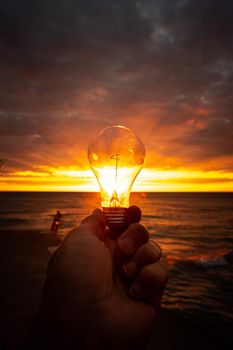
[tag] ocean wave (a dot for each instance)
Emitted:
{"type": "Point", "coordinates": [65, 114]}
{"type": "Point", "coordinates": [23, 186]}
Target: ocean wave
{"type": "Point", "coordinates": [211, 262]}
{"type": "Point", "coordinates": [204, 261]}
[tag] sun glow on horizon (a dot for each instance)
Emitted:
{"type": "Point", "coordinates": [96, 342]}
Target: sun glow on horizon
{"type": "Point", "coordinates": [71, 179]}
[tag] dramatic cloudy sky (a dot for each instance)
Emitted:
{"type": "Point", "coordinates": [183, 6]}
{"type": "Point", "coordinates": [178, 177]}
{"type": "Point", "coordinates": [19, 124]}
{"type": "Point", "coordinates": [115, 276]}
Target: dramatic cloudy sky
{"type": "Point", "coordinates": [161, 67]}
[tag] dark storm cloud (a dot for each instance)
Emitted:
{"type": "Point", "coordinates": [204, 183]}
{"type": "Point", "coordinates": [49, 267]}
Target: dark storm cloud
{"type": "Point", "coordinates": [68, 68]}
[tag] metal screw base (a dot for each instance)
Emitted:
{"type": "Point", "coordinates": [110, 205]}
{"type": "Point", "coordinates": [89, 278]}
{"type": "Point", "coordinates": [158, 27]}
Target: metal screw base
{"type": "Point", "coordinates": [115, 217]}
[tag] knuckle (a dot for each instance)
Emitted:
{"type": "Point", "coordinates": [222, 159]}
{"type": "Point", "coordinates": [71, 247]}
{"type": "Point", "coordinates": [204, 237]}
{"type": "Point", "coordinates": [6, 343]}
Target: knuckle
{"type": "Point", "coordinates": [156, 246]}
{"type": "Point", "coordinates": [156, 249]}
{"type": "Point", "coordinates": [164, 271]}
{"type": "Point", "coordinates": [157, 272]}
{"type": "Point", "coordinates": [147, 254]}
{"type": "Point", "coordinates": [140, 232]}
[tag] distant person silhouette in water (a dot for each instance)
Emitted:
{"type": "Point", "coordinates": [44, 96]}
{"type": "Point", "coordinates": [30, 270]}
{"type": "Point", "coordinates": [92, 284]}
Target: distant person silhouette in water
{"type": "Point", "coordinates": [56, 223]}
{"type": "Point", "coordinates": [100, 293]}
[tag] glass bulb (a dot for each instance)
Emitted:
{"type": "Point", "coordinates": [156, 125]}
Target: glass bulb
{"type": "Point", "coordinates": [116, 156]}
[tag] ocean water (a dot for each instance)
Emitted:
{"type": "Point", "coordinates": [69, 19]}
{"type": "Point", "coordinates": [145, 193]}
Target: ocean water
{"type": "Point", "coordinates": [195, 231]}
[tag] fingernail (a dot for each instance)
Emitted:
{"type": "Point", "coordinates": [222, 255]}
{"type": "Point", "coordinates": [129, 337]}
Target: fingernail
{"type": "Point", "coordinates": [96, 211]}
{"type": "Point", "coordinates": [136, 290]}
{"type": "Point", "coordinates": [130, 269]}
{"type": "Point", "coordinates": [126, 245]}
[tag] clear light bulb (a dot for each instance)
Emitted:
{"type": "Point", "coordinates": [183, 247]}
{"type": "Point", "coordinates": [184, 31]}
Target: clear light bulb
{"type": "Point", "coordinates": [116, 156]}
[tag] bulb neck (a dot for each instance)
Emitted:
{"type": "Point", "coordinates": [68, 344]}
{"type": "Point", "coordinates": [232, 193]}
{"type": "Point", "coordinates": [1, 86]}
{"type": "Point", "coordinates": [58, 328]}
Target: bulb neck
{"type": "Point", "coordinates": [116, 218]}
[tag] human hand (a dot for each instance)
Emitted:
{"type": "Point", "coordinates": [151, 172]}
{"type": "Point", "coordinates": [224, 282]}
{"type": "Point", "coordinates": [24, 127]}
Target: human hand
{"type": "Point", "coordinates": [101, 293]}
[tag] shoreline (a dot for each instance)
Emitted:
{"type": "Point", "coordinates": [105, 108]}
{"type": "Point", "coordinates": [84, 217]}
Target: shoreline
{"type": "Point", "coordinates": [24, 256]}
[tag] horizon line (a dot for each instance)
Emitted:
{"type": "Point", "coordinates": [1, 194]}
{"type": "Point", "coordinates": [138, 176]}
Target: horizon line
{"type": "Point", "coordinates": [44, 191]}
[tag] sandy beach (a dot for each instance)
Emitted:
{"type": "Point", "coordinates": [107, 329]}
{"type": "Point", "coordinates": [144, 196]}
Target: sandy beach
{"type": "Point", "coordinates": [24, 256]}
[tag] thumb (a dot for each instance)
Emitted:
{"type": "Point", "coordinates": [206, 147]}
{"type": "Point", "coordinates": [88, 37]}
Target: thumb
{"type": "Point", "coordinates": [95, 223]}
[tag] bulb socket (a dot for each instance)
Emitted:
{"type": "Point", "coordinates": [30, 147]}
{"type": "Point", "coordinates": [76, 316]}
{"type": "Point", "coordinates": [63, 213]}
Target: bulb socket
{"type": "Point", "coordinates": [115, 217]}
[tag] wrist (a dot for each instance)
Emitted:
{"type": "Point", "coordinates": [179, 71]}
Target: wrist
{"type": "Point", "coordinates": [61, 334]}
